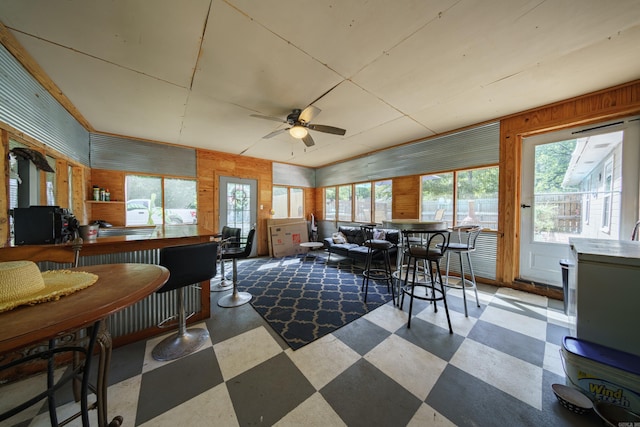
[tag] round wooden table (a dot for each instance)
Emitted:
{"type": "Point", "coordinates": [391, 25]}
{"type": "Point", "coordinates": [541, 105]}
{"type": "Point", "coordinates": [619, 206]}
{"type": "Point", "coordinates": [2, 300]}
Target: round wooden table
{"type": "Point", "coordinates": [118, 286]}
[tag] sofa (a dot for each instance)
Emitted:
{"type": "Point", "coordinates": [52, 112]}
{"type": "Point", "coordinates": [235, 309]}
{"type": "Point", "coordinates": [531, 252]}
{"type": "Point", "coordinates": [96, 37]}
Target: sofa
{"type": "Point", "coordinates": [353, 245]}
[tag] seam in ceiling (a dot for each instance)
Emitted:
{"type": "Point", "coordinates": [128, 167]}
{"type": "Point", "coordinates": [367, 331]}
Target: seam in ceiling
{"type": "Point", "coordinates": [94, 57]}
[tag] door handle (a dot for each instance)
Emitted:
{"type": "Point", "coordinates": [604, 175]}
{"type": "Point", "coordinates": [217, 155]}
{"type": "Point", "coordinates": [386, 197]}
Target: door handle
{"type": "Point", "coordinates": [525, 206]}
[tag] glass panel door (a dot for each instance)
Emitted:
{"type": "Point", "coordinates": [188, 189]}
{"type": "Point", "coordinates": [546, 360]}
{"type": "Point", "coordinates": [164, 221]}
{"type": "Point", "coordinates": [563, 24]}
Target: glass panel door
{"type": "Point", "coordinates": [572, 186]}
{"type": "Point", "coordinates": [238, 203]}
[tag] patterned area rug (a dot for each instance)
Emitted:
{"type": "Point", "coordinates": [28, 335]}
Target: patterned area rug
{"type": "Point", "coordinates": [305, 299]}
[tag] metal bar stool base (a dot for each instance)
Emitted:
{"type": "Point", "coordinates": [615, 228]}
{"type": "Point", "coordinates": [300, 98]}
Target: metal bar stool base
{"type": "Point", "coordinates": [235, 299]}
{"type": "Point", "coordinates": [177, 346]}
{"type": "Point", "coordinates": [222, 285]}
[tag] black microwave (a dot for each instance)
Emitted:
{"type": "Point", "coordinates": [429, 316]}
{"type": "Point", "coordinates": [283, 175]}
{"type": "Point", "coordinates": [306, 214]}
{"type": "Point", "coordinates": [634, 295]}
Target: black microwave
{"type": "Point", "coordinates": [37, 225]}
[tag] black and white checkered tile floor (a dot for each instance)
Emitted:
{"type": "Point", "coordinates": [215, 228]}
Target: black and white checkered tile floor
{"type": "Point", "coordinates": [495, 370]}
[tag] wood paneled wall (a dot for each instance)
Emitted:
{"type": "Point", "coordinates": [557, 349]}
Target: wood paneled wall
{"type": "Point", "coordinates": [619, 101]}
{"type": "Point", "coordinates": [211, 166]}
{"type": "Point", "coordinates": [406, 197]}
{"type": "Point", "coordinates": [80, 175]}
{"type": "Point", "coordinates": [4, 178]}
{"type": "Point", "coordinates": [310, 201]}
{"type": "Point", "coordinates": [114, 212]}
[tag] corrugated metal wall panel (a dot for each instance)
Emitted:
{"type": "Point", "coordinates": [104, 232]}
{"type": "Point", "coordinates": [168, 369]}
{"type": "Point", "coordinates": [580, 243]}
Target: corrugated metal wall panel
{"type": "Point", "coordinates": [118, 153]}
{"type": "Point", "coordinates": [473, 147]}
{"type": "Point", "coordinates": [27, 106]}
{"type": "Point", "coordinates": [483, 259]}
{"type": "Point", "coordinates": [291, 175]}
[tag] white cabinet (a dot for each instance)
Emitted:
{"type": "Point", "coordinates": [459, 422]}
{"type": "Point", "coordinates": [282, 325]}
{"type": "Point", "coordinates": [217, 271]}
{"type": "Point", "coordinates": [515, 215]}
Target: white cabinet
{"type": "Point", "coordinates": [604, 293]}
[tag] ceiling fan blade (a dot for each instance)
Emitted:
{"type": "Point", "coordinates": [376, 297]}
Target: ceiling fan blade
{"type": "Point", "coordinates": [309, 113]}
{"type": "Point", "coordinates": [274, 133]}
{"type": "Point", "coordinates": [328, 129]}
{"type": "Point", "coordinates": [308, 141]}
{"type": "Point", "coordinates": [275, 119]}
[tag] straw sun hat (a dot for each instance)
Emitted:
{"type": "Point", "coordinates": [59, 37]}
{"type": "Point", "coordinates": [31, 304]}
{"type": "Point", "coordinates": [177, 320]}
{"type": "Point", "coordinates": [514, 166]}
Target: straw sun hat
{"type": "Point", "coordinates": [22, 283]}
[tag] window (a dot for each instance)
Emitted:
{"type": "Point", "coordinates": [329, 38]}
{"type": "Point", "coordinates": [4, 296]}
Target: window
{"type": "Point", "coordinates": [50, 180]}
{"type": "Point", "coordinates": [437, 193]}
{"type": "Point", "coordinates": [296, 203]}
{"type": "Point", "coordinates": [344, 203]}
{"type": "Point", "coordinates": [153, 200]}
{"type": "Point", "coordinates": [280, 202]}
{"type": "Point", "coordinates": [180, 201]}
{"type": "Point", "coordinates": [382, 191]}
{"type": "Point", "coordinates": [330, 204]}
{"type": "Point", "coordinates": [70, 186]}
{"type": "Point", "coordinates": [287, 202]}
{"type": "Point", "coordinates": [475, 199]}
{"type": "Point", "coordinates": [586, 198]}
{"type": "Point", "coordinates": [363, 202]}
{"type": "Point", "coordinates": [608, 195]}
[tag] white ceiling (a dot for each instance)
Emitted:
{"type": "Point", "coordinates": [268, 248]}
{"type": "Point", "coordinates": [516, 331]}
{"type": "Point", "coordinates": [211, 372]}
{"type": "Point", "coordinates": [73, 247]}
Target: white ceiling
{"type": "Point", "coordinates": [191, 72]}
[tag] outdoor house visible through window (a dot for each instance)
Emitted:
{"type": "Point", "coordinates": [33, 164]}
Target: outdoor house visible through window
{"type": "Point", "coordinates": [607, 196]}
{"type": "Point", "coordinates": [153, 200]}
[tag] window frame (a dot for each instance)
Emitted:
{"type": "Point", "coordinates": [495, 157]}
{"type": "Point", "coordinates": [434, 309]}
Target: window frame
{"type": "Point", "coordinates": [162, 207]}
{"type": "Point", "coordinates": [452, 217]}
{"type": "Point", "coordinates": [290, 201]}
{"type": "Point", "coordinates": [353, 202]}
{"type": "Point", "coordinates": [607, 199]}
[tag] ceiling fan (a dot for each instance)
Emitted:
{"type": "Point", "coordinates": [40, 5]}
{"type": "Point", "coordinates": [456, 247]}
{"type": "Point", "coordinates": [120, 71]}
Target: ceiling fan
{"type": "Point", "coordinates": [298, 121]}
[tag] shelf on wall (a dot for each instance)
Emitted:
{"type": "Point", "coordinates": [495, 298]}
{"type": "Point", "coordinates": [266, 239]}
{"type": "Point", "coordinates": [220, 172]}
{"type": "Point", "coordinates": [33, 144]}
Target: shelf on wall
{"type": "Point", "coordinates": [100, 201]}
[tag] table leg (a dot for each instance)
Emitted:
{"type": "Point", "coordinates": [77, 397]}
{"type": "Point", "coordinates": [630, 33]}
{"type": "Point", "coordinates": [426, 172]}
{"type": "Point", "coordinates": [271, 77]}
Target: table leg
{"type": "Point", "coordinates": [98, 333]}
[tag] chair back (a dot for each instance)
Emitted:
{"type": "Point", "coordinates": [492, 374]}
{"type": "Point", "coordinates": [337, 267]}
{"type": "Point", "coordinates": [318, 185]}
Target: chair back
{"type": "Point", "coordinates": [249, 245]}
{"type": "Point", "coordinates": [230, 237]}
{"type": "Point", "coordinates": [426, 244]}
{"type": "Point", "coordinates": [188, 264]}
{"type": "Point", "coordinates": [367, 231]}
{"type": "Point", "coordinates": [243, 252]}
{"type": "Point", "coordinates": [471, 233]}
{"type": "Point", "coordinates": [439, 215]}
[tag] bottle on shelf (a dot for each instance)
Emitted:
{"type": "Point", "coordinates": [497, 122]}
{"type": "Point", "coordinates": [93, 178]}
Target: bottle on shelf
{"type": "Point", "coordinates": [96, 193]}
{"type": "Point", "coordinates": [102, 193]}
{"type": "Point", "coordinates": [107, 196]}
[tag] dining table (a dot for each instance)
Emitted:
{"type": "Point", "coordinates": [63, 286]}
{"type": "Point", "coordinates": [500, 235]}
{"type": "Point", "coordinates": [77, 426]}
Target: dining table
{"type": "Point", "coordinates": [81, 314]}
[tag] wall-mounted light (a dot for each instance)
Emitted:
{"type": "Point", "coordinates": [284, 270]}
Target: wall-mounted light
{"type": "Point", "coordinates": [298, 132]}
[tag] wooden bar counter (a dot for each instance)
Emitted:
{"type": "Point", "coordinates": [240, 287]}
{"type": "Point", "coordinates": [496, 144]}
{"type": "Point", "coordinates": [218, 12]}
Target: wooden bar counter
{"type": "Point", "coordinates": [128, 245]}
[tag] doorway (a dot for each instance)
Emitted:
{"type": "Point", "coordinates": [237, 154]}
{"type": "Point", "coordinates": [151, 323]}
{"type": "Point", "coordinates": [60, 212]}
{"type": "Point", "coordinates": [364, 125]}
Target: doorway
{"type": "Point", "coordinates": [580, 182]}
{"type": "Point", "coordinates": [238, 204]}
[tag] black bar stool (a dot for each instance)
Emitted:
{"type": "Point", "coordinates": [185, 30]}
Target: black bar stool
{"type": "Point", "coordinates": [187, 265]}
{"type": "Point", "coordinates": [228, 238]}
{"type": "Point", "coordinates": [430, 248]}
{"type": "Point", "coordinates": [236, 298]}
{"type": "Point", "coordinates": [378, 249]}
{"type": "Point", "coordinates": [467, 236]}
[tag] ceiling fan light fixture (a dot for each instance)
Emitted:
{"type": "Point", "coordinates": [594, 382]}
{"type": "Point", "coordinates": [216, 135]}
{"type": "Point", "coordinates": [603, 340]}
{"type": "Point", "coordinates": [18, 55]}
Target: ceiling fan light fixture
{"type": "Point", "coordinates": [298, 132]}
